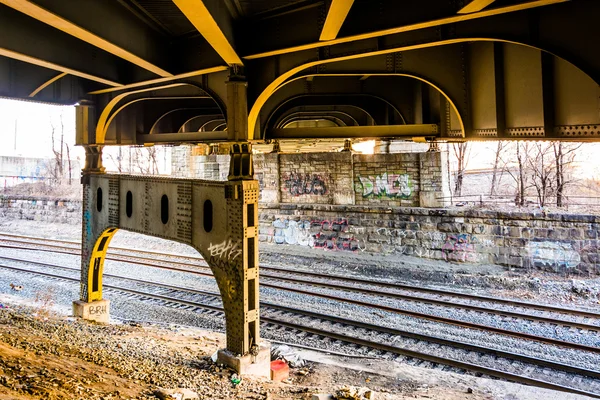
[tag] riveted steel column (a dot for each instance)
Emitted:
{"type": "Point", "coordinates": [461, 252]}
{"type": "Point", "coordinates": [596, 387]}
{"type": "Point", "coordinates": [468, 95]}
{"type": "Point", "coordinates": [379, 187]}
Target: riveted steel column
{"type": "Point", "coordinates": [241, 195]}
{"type": "Point", "coordinates": [94, 238]}
{"type": "Point", "coordinates": [237, 104]}
{"type": "Point", "coordinates": [93, 166]}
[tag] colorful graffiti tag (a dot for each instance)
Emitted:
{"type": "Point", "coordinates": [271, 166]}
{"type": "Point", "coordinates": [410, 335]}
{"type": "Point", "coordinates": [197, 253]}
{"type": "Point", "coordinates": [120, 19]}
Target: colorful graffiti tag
{"type": "Point", "coordinates": [460, 247]}
{"type": "Point", "coordinates": [298, 184]}
{"type": "Point", "coordinates": [317, 233]}
{"type": "Point", "coordinates": [390, 185]}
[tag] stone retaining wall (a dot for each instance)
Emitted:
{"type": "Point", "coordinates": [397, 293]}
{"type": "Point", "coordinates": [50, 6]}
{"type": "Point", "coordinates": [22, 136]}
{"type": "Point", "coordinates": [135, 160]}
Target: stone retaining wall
{"type": "Point", "coordinates": [394, 179]}
{"type": "Point", "coordinates": [556, 242]}
{"type": "Point", "coordinates": [41, 209]}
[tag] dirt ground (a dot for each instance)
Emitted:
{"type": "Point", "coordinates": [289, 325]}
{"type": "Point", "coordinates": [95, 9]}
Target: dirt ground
{"type": "Point", "coordinates": [46, 354]}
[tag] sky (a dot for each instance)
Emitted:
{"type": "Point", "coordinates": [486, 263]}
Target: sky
{"type": "Point", "coordinates": [32, 122]}
{"type": "Point", "coordinates": [587, 165]}
{"type": "Point", "coordinates": [26, 128]}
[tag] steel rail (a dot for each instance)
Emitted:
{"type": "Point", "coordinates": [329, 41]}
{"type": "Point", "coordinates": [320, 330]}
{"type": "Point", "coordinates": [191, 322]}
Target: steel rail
{"type": "Point", "coordinates": [366, 343]}
{"type": "Point", "coordinates": [464, 324]}
{"type": "Point", "coordinates": [516, 303]}
{"type": "Point", "coordinates": [398, 296]}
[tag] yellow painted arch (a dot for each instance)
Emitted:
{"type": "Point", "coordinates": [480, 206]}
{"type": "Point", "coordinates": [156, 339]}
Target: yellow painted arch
{"type": "Point", "coordinates": [96, 265]}
{"type": "Point", "coordinates": [280, 80]}
{"type": "Point", "coordinates": [450, 101]}
{"type": "Point", "coordinates": [105, 117]}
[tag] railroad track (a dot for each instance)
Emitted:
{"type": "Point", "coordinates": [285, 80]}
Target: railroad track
{"type": "Point", "coordinates": [385, 296]}
{"type": "Point", "coordinates": [386, 334]}
{"type": "Point", "coordinates": [407, 345]}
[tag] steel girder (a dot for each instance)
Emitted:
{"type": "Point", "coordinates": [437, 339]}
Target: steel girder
{"type": "Point", "coordinates": [218, 219]}
{"type": "Point", "coordinates": [338, 117]}
{"type": "Point", "coordinates": [195, 123]}
{"type": "Point", "coordinates": [497, 90]}
{"type": "Point", "coordinates": [22, 37]}
{"type": "Point", "coordinates": [382, 112]}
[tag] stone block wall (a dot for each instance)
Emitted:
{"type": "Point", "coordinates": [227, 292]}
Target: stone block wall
{"type": "Point", "coordinates": [556, 242]}
{"type": "Point", "coordinates": [394, 179]}
{"type": "Point", "coordinates": [186, 164]}
{"type": "Point", "coordinates": [36, 209]}
{"type": "Point", "coordinates": [321, 178]}
{"type": "Point", "coordinates": [266, 171]}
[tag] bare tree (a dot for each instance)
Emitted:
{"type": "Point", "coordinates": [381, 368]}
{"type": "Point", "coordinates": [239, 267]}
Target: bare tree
{"type": "Point", "coordinates": [145, 160]}
{"type": "Point", "coordinates": [499, 147]}
{"type": "Point", "coordinates": [543, 172]}
{"type": "Point", "coordinates": [57, 168]}
{"type": "Point", "coordinates": [564, 156]}
{"type": "Point", "coordinates": [517, 152]}
{"type": "Point", "coordinates": [67, 148]}
{"type": "Point", "coordinates": [461, 152]}
{"type": "Point", "coordinates": [59, 149]}
{"type": "Point", "coordinates": [119, 160]}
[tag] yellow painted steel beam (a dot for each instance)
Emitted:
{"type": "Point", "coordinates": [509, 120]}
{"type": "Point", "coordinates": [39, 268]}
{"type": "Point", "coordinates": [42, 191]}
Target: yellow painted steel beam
{"type": "Point", "coordinates": [42, 63]}
{"type": "Point", "coordinates": [197, 13]}
{"type": "Point", "coordinates": [45, 16]}
{"type": "Point", "coordinates": [281, 79]}
{"type": "Point", "coordinates": [338, 10]}
{"type": "Point", "coordinates": [47, 83]}
{"type": "Point", "coordinates": [475, 6]}
{"type": "Point", "coordinates": [96, 267]}
{"type": "Point", "coordinates": [408, 28]}
{"type": "Point", "coordinates": [162, 80]}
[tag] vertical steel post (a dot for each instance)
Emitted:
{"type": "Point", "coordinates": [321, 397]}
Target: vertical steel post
{"type": "Point", "coordinates": [92, 166]}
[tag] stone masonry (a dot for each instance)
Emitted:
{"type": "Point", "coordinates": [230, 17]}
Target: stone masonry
{"type": "Point", "coordinates": [555, 242]}
{"type": "Point", "coordinates": [41, 209]}
{"type": "Point", "coordinates": [393, 179]}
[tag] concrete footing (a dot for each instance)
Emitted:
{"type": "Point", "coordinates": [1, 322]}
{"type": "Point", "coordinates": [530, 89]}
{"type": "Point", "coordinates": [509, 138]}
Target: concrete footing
{"type": "Point", "coordinates": [98, 311]}
{"type": "Point", "coordinates": [259, 365]}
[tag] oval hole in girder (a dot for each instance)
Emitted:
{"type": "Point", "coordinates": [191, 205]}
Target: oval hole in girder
{"type": "Point", "coordinates": [129, 204]}
{"type": "Point", "coordinates": [164, 209]}
{"type": "Point", "coordinates": [99, 199]}
{"type": "Point", "coordinates": [208, 216]}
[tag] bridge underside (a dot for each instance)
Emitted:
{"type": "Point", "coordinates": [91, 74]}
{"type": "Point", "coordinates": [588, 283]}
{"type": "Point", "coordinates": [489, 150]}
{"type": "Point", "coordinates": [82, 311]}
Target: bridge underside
{"type": "Point", "coordinates": [295, 75]}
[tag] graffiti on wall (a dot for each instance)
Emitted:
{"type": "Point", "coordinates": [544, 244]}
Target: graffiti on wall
{"type": "Point", "coordinates": [317, 233]}
{"type": "Point", "coordinates": [299, 184]}
{"type": "Point", "coordinates": [390, 185]}
{"type": "Point", "coordinates": [460, 247]}
{"type": "Point", "coordinates": [553, 254]}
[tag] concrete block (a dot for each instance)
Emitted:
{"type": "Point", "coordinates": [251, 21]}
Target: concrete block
{"type": "Point", "coordinates": [98, 311]}
{"type": "Point", "coordinates": [322, 396]}
{"type": "Point", "coordinates": [248, 364]}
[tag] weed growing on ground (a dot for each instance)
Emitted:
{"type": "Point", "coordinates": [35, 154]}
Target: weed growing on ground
{"type": "Point", "coordinates": [44, 301]}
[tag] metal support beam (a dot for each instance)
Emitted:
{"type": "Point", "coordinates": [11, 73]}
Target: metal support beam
{"type": "Point", "coordinates": [237, 105]}
{"type": "Point", "coordinates": [205, 22]}
{"type": "Point", "coordinates": [403, 29]}
{"type": "Point", "coordinates": [56, 21]}
{"type": "Point", "coordinates": [219, 219]}
{"type": "Point", "coordinates": [47, 83]}
{"type": "Point", "coordinates": [548, 93]}
{"type": "Point", "coordinates": [500, 93]}
{"type": "Point", "coordinates": [475, 6]}
{"type": "Point", "coordinates": [355, 131]}
{"type": "Point", "coordinates": [338, 10]}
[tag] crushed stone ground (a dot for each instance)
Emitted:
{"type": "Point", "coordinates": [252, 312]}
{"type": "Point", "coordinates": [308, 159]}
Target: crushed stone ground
{"type": "Point", "coordinates": [49, 355]}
